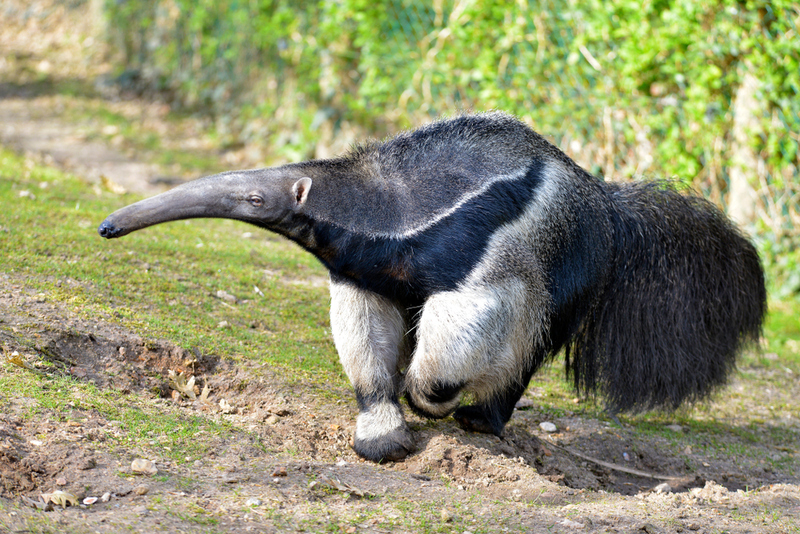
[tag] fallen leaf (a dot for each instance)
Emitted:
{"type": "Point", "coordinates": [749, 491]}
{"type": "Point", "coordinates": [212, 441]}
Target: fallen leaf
{"type": "Point", "coordinates": [111, 185]}
{"type": "Point", "coordinates": [39, 504]}
{"type": "Point", "coordinates": [60, 498]}
{"type": "Point", "coordinates": [204, 394]}
{"type": "Point", "coordinates": [14, 358]}
{"type": "Point", "coordinates": [181, 384]}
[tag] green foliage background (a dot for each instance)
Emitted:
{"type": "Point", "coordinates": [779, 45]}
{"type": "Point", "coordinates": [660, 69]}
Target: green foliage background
{"type": "Point", "coordinates": [626, 88]}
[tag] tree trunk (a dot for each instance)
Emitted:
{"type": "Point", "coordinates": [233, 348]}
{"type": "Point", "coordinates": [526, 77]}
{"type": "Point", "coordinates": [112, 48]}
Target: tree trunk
{"type": "Point", "coordinates": [744, 161]}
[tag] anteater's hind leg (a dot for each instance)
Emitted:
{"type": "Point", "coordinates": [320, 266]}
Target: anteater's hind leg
{"type": "Point", "coordinates": [481, 340]}
{"type": "Point", "coordinates": [369, 332]}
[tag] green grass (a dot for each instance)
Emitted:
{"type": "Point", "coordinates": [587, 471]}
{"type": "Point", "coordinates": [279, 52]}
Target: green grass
{"type": "Point", "coordinates": [781, 336]}
{"type": "Point", "coordinates": [162, 282]}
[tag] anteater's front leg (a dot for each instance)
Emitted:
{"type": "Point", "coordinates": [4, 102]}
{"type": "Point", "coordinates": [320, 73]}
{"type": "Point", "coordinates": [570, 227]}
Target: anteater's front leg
{"type": "Point", "coordinates": [482, 339]}
{"type": "Point", "coordinates": [369, 331]}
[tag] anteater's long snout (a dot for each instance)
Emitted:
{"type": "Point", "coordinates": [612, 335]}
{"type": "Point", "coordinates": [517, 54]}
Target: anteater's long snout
{"type": "Point", "coordinates": [205, 197]}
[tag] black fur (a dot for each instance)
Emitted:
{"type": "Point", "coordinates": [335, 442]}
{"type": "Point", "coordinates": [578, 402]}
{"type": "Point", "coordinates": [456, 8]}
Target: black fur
{"type": "Point", "coordinates": [685, 292]}
{"type": "Point", "coordinates": [441, 393]}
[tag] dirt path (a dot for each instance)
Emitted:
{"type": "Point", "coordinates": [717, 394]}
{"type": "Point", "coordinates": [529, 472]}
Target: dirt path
{"type": "Point", "coordinates": [26, 126]}
{"type": "Point", "coordinates": [42, 46]}
{"type": "Point", "coordinates": [286, 463]}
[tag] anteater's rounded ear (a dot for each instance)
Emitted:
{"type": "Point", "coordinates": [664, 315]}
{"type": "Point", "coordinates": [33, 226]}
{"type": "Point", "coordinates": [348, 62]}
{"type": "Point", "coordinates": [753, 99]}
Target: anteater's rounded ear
{"type": "Point", "coordinates": [300, 192]}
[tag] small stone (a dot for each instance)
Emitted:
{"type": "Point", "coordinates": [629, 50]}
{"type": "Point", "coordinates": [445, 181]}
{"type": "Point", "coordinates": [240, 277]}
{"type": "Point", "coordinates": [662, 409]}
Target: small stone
{"type": "Point", "coordinates": [571, 524]}
{"type": "Point", "coordinates": [272, 419]}
{"type": "Point", "coordinates": [36, 443]}
{"type": "Point", "coordinates": [87, 463]}
{"type": "Point", "coordinates": [547, 426]}
{"type": "Point", "coordinates": [279, 472]}
{"type": "Point", "coordinates": [524, 403]}
{"type": "Point", "coordinates": [61, 481]}
{"type": "Point", "coordinates": [143, 467]}
{"type": "Point", "coordinates": [105, 497]}
{"type": "Point", "coordinates": [224, 295]}
{"type": "Point", "coordinates": [253, 501]}
{"type": "Point", "coordinates": [230, 478]}
{"type": "Point", "coordinates": [446, 515]}
{"type": "Point", "coordinates": [141, 490]}
{"type": "Point", "coordinates": [223, 324]}
{"type": "Point", "coordinates": [675, 428]}
{"type": "Point", "coordinates": [663, 488]}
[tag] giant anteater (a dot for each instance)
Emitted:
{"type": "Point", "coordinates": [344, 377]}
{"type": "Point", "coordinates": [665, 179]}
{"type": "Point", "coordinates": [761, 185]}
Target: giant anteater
{"type": "Point", "coordinates": [465, 254]}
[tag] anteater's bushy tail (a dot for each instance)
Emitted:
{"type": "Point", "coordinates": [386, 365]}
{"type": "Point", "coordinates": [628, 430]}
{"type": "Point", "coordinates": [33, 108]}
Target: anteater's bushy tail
{"type": "Point", "coordinates": [684, 296]}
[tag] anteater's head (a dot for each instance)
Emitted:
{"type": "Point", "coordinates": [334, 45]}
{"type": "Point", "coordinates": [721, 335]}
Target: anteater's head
{"type": "Point", "coordinates": [264, 197]}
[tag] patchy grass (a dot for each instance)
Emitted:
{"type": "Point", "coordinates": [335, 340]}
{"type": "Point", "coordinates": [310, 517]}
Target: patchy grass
{"type": "Point", "coordinates": [152, 429]}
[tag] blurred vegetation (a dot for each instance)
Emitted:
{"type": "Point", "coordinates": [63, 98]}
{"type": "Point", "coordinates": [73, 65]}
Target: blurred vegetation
{"type": "Point", "coordinates": [626, 88]}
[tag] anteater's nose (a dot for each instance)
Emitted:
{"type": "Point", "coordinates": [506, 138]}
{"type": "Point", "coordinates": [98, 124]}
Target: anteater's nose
{"type": "Point", "coordinates": [108, 230]}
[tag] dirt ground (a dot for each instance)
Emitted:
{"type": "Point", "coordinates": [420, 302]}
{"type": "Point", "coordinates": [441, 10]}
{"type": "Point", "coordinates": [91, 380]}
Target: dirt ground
{"type": "Point", "coordinates": [289, 465]}
{"type": "Point", "coordinates": [291, 455]}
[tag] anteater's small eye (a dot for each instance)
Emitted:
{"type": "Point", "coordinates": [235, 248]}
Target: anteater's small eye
{"type": "Point", "coordinates": [256, 200]}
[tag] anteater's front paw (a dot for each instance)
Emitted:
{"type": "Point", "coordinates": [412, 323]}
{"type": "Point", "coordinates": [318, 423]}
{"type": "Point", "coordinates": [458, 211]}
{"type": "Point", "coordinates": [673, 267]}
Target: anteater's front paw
{"type": "Point", "coordinates": [382, 434]}
{"type": "Point", "coordinates": [391, 447]}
